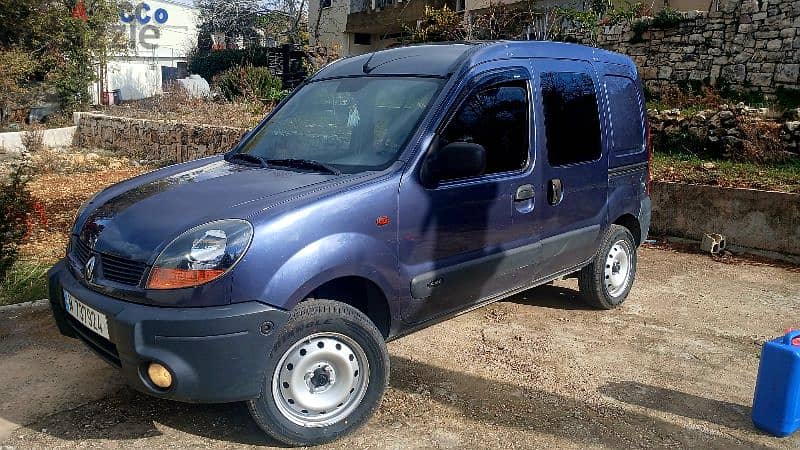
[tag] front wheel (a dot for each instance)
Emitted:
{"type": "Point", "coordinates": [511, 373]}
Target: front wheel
{"type": "Point", "coordinates": [326, 375]}
{"type": "Point", "coordinates": [607, 280]}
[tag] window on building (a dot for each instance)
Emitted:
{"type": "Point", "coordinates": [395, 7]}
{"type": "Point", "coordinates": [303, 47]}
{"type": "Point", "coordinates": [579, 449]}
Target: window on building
{"type": "Point", "coordinates": [460, 5]}
{"type": "Point", "coordinates": [625, 106]}
{"type": "Point", "coordinates": [362, 39]}
{"type": "Point", "coordinates": [497, 119]}
{"type": "Point", "coordinates": [325, 3]}
{"type": "Point", "coordinates": [572, 126]}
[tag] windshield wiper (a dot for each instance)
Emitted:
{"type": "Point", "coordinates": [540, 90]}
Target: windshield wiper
{"type": "Point", "coordinates": [304, 164]}
{"type": "Point", "coordinates": [248, 157]}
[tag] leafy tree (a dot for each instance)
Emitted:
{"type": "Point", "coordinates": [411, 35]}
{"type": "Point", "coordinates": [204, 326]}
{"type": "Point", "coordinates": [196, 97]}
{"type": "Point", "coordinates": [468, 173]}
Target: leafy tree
{"type": "Point", "coordinates": [54, 45]}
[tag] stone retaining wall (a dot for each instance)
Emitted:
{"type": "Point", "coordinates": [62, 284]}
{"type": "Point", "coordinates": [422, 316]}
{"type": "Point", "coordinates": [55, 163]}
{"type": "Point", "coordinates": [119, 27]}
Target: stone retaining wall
{"type": "Point", "coordinates": [731, 131]}
{"type": "Point", "coordinates": [761, 220]}
{"type": "Point", "coordinates": [154, 139]}
{"type": "Point", "coordinates": [747, 44]}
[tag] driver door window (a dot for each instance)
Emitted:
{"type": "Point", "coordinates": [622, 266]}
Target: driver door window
{"type": "Point", "coordinates": [495, 117]}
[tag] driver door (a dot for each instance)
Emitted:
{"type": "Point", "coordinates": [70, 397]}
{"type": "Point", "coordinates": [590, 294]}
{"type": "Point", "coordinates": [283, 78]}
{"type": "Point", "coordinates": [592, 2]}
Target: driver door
{"type": "Point", "coordinates": [456, 237]}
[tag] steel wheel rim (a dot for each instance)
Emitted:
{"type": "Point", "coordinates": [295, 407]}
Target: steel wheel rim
{"type": "Point", "coordinates": [617, 271]}
{"type": "Point", "coordinates": [320, 379]}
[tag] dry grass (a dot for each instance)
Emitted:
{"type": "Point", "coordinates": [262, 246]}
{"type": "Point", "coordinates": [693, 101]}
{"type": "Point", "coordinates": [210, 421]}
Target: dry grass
{"type": "Point", "coordinates": [177, 105]}
{"type": "Point", "coordinates": [783, 176]}
{"type": "Point", "coordinates": [762, 142]}
{"type": "Point", "coordinates": [675, 97]}
{"type": "Point", "coordinates": [33, 141]}
{"type": "Point", "coordinates": [49, 161]}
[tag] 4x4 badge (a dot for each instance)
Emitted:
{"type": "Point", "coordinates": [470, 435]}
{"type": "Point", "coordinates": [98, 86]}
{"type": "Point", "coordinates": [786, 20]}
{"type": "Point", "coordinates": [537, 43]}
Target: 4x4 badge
{"type": "Point", "coordinates": [89, 268]}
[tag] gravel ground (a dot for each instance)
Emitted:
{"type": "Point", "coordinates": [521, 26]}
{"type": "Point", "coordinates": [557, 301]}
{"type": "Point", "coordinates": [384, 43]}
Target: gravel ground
{"type": "Point", "coordinates": [675, 367]}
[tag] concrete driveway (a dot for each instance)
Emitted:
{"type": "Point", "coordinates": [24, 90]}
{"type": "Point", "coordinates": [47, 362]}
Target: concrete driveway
{"type": "Point", "coordinates": [675, 367]}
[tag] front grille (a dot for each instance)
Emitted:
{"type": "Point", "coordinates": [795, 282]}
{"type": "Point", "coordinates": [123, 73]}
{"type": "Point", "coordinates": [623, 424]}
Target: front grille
{"type": "Point", "coordinates": [82, 251]}
{"type": "Point", "coordinates": [114, 268]}
{"type": "Point", "coordinates": [122, 270]}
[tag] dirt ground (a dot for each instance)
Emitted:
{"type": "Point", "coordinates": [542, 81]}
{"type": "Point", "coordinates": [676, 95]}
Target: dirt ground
{"type": "Point", "coordinates": [674, 367]}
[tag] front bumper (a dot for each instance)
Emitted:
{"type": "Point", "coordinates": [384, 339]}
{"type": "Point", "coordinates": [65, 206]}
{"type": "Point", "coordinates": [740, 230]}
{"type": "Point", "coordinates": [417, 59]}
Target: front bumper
{"type": "Point", "coordinates": [215, 354]}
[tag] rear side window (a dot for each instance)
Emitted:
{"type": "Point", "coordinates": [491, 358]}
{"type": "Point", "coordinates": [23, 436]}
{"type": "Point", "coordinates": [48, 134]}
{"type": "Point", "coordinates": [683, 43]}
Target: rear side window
{"type": "Point", "coordinates": [626, 114]}
{"type": "Point", "coordinates": [497, 119]}
{"type": "Point", "coordinates": [571, 118]}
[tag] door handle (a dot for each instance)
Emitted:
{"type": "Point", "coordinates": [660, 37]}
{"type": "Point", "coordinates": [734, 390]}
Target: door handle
{"type": "Point", "coordinates": [524, 192]}
{"type": "Point", "coordinates": [555, 191]}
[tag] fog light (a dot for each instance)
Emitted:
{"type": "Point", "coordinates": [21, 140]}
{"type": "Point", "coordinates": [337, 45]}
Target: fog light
{"type": "Point", "coordinates": [159, 375]}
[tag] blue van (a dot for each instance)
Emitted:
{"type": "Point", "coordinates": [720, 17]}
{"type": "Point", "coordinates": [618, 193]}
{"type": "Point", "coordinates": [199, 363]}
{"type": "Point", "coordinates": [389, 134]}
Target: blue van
{"type": "Point", "coordinates": [390, 191]}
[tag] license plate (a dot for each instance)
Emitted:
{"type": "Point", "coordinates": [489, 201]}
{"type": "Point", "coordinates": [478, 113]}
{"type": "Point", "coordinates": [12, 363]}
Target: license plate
{"type": "Point", "coordinates": [89, 317]}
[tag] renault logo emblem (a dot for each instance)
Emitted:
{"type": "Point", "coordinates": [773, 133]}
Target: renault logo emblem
{"type": "Point", "coordinates": [89, 268]}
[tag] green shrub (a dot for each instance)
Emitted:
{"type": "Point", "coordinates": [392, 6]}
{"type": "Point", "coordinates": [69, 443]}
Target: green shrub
{"type": "Point", "coordinates": [214, 63]}
{"type": "Point", "coordinates": [667, 18]}
{"type": "Point", "coordinates": [581, 20]}
{"type": "Point", "coordinates": [639, 27]}
{"type": "Point", "coordinates": [787, 98]}
{"type": "Point", "coordinates": [16, 205]}
{"type": "Point", "coordinates": [438, 25]}
{"type": "Point", "coordinates": [625, 13]}
{"type": "Point", "coordinates": [250, 83]}
{"type": "Point", "coordinates": [600, 7]}
{"type": "Point", "coordinates": [572, 20]}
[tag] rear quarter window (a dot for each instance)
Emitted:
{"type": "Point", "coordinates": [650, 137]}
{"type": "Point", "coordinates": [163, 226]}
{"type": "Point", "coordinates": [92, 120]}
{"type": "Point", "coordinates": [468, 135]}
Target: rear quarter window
{"type": "Point", "coordinates": [625, 106]}
{"type": "Point", "coordinates": [572, 126]}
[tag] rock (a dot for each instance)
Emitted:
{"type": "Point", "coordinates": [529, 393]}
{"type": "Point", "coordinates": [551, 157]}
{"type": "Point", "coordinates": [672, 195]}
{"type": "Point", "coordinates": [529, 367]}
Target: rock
{"type": "Point", "coordinates": [792, 114]}
{"type": "Point", "coordinates": [709, 166]}
{"type": "Point", "coordinates": [195, 86]}
{"type": "Point", "coordinates": [725, 115]}
{"type": "Point", "coordinates": [787, 73]}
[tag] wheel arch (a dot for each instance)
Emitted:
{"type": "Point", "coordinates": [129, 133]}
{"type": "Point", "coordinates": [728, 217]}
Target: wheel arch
{"type": "Point", "coordinates": [631, 222]}
{"type": "Point", "coordinates": [361, 293]}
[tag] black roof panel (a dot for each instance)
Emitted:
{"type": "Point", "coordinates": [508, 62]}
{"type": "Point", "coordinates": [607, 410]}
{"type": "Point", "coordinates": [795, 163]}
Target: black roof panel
{"type": "Point", "coordinates": [445, 59]}
{"type": "Point", "coordinates": [429, 59]}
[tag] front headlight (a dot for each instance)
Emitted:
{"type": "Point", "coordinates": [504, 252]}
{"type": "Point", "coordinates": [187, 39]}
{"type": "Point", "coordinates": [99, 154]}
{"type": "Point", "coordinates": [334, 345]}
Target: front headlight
{"type": "Point", "coordinates": [201, 254]}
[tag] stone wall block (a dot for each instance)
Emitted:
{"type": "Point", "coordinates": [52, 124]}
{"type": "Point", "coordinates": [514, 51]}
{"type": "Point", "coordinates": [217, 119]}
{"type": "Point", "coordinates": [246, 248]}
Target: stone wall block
{"type": "Point", "coordinates": [155, 140]}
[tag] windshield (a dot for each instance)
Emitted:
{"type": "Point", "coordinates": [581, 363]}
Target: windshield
{"type": "Point", "coordinates": [352, 124]}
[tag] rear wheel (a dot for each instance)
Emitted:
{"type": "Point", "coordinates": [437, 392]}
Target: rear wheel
{"type": "Point", "coordinates": [326, 376]}
{"type": "Point", "coordinates": [607, 281]}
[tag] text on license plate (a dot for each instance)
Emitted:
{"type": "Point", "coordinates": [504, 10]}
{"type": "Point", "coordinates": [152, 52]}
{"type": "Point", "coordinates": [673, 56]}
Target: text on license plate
{"type": "Point", "coordinates": [89, 317]}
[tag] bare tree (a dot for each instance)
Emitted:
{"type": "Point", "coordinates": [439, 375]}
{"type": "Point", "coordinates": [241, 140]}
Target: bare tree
{"type": "Point", "coordinates": [249, 19]}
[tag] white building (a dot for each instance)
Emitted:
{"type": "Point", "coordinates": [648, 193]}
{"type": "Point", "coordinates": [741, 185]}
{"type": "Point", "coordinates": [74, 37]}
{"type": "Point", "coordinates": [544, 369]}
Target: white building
{"type": "Point", "coordinates": [160, 35]}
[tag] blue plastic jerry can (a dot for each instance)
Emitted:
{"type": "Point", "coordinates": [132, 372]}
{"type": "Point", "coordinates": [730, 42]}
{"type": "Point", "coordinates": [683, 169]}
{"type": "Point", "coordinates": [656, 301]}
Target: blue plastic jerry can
{"type": "Point", "coordinates": [776, 404]}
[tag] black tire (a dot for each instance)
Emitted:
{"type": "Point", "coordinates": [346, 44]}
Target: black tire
{"type": "Point", "coordinates": [592, 279]}
{"type": "Point", "coordinates": [312, 318]}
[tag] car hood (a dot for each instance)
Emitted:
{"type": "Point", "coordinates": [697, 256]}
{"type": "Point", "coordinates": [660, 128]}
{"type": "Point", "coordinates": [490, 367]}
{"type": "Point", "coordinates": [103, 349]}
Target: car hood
{"type": "Point", "coordinates": [137, 218]}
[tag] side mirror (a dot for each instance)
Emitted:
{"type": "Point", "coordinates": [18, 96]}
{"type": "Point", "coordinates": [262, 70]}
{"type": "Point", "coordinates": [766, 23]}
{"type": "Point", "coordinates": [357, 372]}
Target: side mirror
{"type": "Point", "coordinates": [454, 160]}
